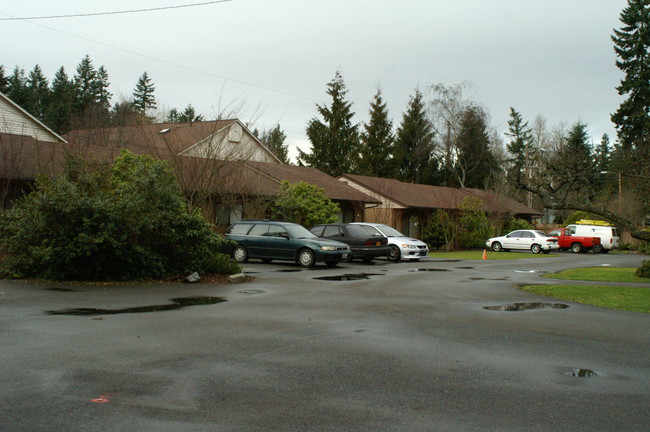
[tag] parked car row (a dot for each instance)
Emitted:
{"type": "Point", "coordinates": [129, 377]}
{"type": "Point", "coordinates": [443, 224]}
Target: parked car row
{"type": "Point", "coordinates": [329, 243]}
{"type": "Point", "coordinates": [579, 238]}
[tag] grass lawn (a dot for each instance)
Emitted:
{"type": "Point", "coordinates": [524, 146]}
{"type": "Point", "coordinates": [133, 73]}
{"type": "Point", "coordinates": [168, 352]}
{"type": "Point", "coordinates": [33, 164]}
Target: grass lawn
{"type": "Point", "coordinates": [600, 274]}
{"type": "Point", "coordinates": [491, 255]}
{"type": "Point", "coordinates": [633, 299]}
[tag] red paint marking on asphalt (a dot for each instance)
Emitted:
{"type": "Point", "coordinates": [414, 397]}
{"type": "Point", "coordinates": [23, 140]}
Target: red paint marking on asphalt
{"type": "Point", "coordinates": [102, 399]}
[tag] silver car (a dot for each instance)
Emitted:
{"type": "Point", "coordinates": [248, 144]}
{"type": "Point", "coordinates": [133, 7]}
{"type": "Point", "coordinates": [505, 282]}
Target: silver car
{"type": "Point", "coordinates": [532, 240]}
{"type": "Point", "coordinates": [401, 246]}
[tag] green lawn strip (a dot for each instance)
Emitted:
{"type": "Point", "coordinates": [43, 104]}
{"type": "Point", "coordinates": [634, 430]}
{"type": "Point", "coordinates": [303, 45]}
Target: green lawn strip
{"type": "Point", "coordinates": [477, 255]}
{"type": "Point", "coordinates": [599, 274]}
{"type": "Point", "coordinates": [635, 299]}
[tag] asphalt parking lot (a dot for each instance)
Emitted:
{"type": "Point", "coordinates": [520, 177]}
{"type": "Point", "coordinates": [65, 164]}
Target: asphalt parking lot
{"type": "Point", "coordinates": [394, 347]}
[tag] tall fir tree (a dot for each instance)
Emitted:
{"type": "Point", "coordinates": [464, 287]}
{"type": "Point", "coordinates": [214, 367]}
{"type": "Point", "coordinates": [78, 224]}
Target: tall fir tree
{"type": "Point", "coordinates": [377, 141]}
{"type": "Point", "coordinates": [60, 110]}
{"type": "Point", "coordinates": [143, 98]}
{"type": "Point", "coordinates": [4, 80]}
{"type": "Point", "coordinates": [520, 147]}
{"type": "Point", "coordinates": [631, 42]}
{"type": "Point", "coordinates": [274, 140]}
{"type": "Point", "coordinates": [335, 139]}
{"type": "Point", "coordinates": [102, 84]}
{"type": "Point", "coordinates": [17, 91]}
{"type": "Point", "coordinates": [475, 161]}
{"type": "Point", "coordinates": [602, 154]}
{"type": "Point", "coordinates": [414, 145]}
{"type": "Point", "coordinates": [85, 82]}
{"type": "Point", "coordinates": [38, 93]}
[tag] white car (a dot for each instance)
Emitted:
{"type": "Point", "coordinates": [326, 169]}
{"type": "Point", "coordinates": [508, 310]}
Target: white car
{"type": "Point", "coordinates": [532, 240]}
{"type": "Point", "coordinates": [401, 246]}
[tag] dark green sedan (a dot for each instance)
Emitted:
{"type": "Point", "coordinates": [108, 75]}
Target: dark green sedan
{"type": "Point", "coordinates": [283, 241]}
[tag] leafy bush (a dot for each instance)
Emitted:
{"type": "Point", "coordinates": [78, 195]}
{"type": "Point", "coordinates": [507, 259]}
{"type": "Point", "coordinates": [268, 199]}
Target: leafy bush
{"type": "Point", "coordinates": [474, 224]}
{"type": "Point", "coordinates": [513, 224]}
{"type": "Point", "coordinates": [468, 227]}
{"type": "Point", "coordinates": [101, 222]}
{"type": "Point", "coordinates": [644, 270]}
{"type": "Point", "coordinates": [304, 204]}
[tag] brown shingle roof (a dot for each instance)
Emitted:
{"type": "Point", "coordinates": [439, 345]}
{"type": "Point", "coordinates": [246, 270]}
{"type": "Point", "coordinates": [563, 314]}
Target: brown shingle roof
{"type": "Point", "coordinates": [158, 138]}
{"type": "Point", "coordinates": [436, 197]}
{"type": "Point", "coordinates": [334, 189]}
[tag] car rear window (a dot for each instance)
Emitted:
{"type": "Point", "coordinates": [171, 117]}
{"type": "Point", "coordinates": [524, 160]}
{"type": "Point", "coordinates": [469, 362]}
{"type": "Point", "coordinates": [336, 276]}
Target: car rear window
{"type": "Point", "coordinates": [240, 228]}
{"type": "Point", "coordinates": [357, 231]}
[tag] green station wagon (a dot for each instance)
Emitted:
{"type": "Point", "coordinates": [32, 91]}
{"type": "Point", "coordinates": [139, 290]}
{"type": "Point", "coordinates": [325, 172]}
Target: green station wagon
{"type": "Point", "coordinates": [284, 241]}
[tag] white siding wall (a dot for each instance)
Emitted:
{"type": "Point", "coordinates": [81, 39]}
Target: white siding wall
{"type": "Point", "coordinates": [15, 122]}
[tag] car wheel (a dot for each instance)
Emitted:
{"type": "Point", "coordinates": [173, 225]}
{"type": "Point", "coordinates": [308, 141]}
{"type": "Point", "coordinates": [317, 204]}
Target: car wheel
{"type": "Point", "coordinates": [394, 254]}
{"type": "Point", "coordinates": [576, 248]}
{"type": "Point", "coordinates": [535, 248]}
{"type": "Point", "coordinates": [349, 258]}
{"type": "Point", "coordinates": [597, 248]}
{"type": "Point", "coordinates": [306, 258]}
{"type": "Point", "coordinates": [331, 263]}
{"type": "Point", "coordinates": [240, 254]}
{"type": "Point", "coordinates": [496, 247]}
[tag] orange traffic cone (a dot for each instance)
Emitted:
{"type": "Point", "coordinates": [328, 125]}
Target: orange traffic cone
{"type": "Point", "coordinates": [484, 254]}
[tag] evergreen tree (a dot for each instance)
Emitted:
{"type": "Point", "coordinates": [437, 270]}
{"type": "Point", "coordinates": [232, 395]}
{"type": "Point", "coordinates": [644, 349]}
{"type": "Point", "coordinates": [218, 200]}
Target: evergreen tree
{"type": "Point", "coordinates": [414, 144]}
{"type": "Point", "coordinates": [124, 113]}
{"type": "Point", "coordinates": [189, 115]}
{"type": "Point", "coordinates": [335, 139]}
{"type": "Point", "coordinates": [274, 140]}
{"type": "Point", "coordinates": [520, 146]}
{"type": "Point", "coordinates": [475, 161]}
{"type": "Point", "coordinates": [38, 93]}
{"type": "Point", "coordinates": [632, 119]}
{"type": "Point", "coordinates": [4, 81]}
{"type": "Point", "coordinates": [143, 98]}
{"type": "Point", "coordinates": [59, 111]}
{"type": "Point", "coordinates": [85, 82]}
{"type": "Point", "coordinates": [101, 84]}
{"type": "Point", "coordinates": [602, 154]}
{"type": "Point", "coordinates": [377, 141]}
{"type": "Point", "coordinates": [17, 91]}
{"type": "Point", "coordinates": [578, 150]}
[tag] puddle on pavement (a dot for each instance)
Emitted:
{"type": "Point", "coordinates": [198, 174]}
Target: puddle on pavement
{"type": "Point", "coordinates": [60, 289]}
{"type": "Point", "coordinates": [288, 271]}
{"type": "Point", "coordinates": [429, 270]}
{"type": "Point", "coordinates": [348, 277]}
{"type": "Point", "coordinates": [465, 268]}
{"type": "Point", "coordinates": [451, 260]}
{"type": "Point", "coordinates": [177, 304]}
{"type": "Point", "coordinates": [582, 373]}
{"type": "Point", "coordinates": [251, 291]}
{"type": "Point", "coordinates": [516, 307]}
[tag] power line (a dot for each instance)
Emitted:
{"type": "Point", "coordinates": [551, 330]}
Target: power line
{"type": "Point", "coordinates": [115, 12]}
{"type": "Point", "coordinates": [224, 78]}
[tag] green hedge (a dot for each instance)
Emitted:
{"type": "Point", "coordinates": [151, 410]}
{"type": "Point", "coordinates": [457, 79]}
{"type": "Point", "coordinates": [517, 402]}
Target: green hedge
{"type": "Point", "coordinates": [108, 222]}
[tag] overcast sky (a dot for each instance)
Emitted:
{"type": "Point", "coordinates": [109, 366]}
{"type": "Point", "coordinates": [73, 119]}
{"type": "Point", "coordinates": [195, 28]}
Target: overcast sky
{"type": "Point", "coordinates": [275, 57]}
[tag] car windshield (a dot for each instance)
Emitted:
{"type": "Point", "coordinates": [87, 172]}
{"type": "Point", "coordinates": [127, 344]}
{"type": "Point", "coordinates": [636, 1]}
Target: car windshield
{"type": "Point", "coordinates": [542, 234]}
{"type": "Point", "coordinates": [298, 231]}
{"type": "Point", "coordinates": [389, 231]}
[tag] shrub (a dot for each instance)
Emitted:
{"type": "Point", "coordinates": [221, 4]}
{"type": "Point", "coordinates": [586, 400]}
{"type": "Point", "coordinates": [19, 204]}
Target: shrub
{"type": "Point", "coordinates": [305, 204]}
{"type": "Point", "coordinates": [101, 222]}
{"type": "Point", "coordinates": [513, 224]}
{"type": "Point", "coordinates": [474, 224]}
{"type": "Point", "coordinates": [644, 270]}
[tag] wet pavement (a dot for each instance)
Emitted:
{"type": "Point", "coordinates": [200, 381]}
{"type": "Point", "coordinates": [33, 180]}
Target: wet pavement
{"type": "Point", "coordinates": [396, 346]}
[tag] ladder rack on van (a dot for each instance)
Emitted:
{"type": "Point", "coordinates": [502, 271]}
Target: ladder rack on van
{"type": "Point", "coordinates": [593, 222]}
